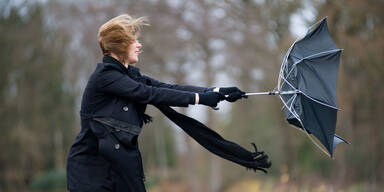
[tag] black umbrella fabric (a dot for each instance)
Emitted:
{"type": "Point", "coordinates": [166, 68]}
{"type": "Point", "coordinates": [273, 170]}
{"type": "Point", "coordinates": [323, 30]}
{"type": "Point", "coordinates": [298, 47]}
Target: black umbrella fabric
{"type": "Point", "coordinates": [307, 86]}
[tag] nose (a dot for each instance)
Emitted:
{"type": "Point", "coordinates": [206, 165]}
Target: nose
{"type": "Point", "coordinates": [138, 45]}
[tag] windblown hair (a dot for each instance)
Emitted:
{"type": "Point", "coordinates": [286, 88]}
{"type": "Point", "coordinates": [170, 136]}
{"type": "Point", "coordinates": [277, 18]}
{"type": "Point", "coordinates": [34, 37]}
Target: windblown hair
{"type": "Point", "coordinates": [117, 34]}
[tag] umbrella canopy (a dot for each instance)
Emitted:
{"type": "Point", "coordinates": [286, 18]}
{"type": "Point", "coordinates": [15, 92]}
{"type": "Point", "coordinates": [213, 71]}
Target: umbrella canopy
{"type": "Point", "coordinates": [308, 79]}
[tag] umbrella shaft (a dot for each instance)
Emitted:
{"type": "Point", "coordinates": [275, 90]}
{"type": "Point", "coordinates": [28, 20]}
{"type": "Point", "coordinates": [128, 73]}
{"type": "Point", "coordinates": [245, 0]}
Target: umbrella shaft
{"type": "Point", "coordinates": [273, 93]}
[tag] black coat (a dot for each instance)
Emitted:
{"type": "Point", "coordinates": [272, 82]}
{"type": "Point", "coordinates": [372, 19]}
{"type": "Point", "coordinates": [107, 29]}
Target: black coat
{"type": "Point", "coordinates": [105, 154]}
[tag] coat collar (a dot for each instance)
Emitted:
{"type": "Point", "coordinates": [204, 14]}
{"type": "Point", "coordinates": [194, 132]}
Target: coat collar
{"type": "Point", "coordinates": [131, 70]}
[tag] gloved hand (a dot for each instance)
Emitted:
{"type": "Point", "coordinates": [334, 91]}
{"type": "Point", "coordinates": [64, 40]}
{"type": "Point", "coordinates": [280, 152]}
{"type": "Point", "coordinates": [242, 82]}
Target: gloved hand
{"type": "Point", "coordinates": [234, 97]}
{"type": "Point", "coordinates": [229, 90]}
{"type": "Point", "coordinates": [233, 93]}
{"type": "Point", "coordinates": [210, 98]}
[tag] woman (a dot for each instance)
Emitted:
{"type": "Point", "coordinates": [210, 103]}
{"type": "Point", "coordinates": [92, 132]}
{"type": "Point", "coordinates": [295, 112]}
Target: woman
{"type": "Point", "coordinates": [105, 155]}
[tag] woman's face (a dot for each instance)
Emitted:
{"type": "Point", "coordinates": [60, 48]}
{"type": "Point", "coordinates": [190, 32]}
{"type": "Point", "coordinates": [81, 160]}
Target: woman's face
{"type": "Point", "coordinates": [133, 52]}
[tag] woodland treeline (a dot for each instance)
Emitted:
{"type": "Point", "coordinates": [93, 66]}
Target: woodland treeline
{"type": "Point", "coordinates": [49, 49]}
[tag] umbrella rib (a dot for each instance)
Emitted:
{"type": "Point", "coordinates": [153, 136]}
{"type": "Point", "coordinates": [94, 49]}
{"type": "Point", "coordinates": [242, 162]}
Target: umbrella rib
{"type": "Point", "coordinates": [286, 81]}
{"type": "Point", "coordinates": [321, 148]}
{"type": "Point", "coordinates": [294, 113]}
{"type": "Point", "coordinates": [290, 100]}
{"type": "Point", "coordinates": [309, 96]}
{"type": "Point", "coordinates": [319, 102]}
{"type": "Point", "coordinates": [283, 64]}
{"type": "Point", "coordinates": [311, 57]}
{"type": "Point", "coordinates": [312, 26]}
{"type": "Point", "coordinates": [323, 52]}
{"type": "Point", "coordinates": [290, 110]}
{"type": "Point", "coordinates": [294, 97]}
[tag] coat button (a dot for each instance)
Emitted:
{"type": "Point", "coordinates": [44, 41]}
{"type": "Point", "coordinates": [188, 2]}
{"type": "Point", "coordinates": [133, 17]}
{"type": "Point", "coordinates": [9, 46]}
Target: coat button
{"type": "Point", "coordinates": [117, 146]}
{"type": "Point", "coordinates": [117, 129]}
{"type": "Point", "coordinates": [125, 108]}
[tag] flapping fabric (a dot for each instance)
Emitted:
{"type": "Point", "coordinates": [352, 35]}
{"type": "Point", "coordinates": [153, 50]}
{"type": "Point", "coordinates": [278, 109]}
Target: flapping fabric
{"type": "Point", "coordinates": [216, 144]}
{"type": "Point", "coordinates": [310, 69]}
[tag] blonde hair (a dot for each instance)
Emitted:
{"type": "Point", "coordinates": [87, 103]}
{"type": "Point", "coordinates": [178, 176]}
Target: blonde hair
{"type": "Point", "coordinates": [117, 34]}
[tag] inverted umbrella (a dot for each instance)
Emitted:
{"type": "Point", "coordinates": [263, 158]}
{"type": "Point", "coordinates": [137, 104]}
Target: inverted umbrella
{"type": "Point", "coordinates": [307, 86]}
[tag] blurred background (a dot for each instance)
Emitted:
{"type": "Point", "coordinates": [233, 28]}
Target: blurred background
{"type": "Point", "coordinates": [49, 49]}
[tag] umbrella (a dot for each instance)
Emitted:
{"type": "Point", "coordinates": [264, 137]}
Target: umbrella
{"type": "Point", "coordinates": [307, 86]}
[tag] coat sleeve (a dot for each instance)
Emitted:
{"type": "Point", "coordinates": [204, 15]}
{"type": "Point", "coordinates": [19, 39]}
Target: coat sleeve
{"type": "Point", "coordinates": [115, 83]}
{"type": "Point", "coordinates": [197, 89]}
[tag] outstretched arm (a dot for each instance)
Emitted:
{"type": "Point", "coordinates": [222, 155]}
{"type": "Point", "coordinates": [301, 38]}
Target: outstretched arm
{"type": "Point", "coordinates": [116, 83]}
{"type": "Point", "coordinates": [121, 85]}
{"type": "Point", "coordinates": [233, 93]}
{"type": "Point", "coordinates": [197, 89]}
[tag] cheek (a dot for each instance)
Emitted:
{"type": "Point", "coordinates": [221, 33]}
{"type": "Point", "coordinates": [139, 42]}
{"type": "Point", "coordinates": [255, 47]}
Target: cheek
{"type": "Point", "coordinates": [132, 50]}
{"type": "Point", "coordinates": [133, 53]}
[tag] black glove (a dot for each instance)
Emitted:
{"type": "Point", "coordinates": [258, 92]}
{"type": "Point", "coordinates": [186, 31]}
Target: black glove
{"type": "Point", "coordinates": [229, 90]}
{"type": "Point", "coordinates": [233, 93]}
{"type": "Point", "coordinates": [210, 98]}
{"type": "Point", "coordinates": [234, 97]}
